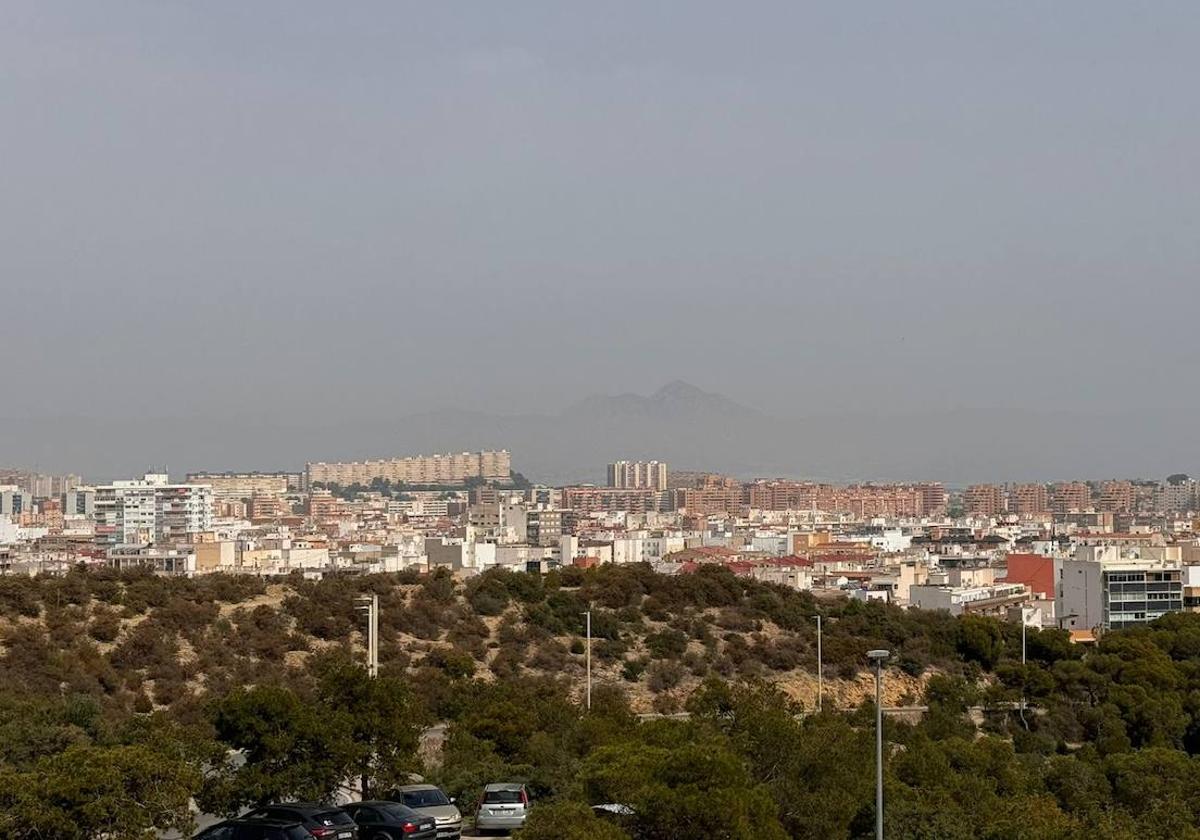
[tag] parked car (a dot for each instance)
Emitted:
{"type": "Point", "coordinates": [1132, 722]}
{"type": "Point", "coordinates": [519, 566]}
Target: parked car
{"type": "Point", "coordinates": [432, 801]}
{"type": "Point", "coordinates": [324, 822]}
{"type": "Point", "coordinates": [502, 807]}
{"type": "Point", "coordinates": [382, 820]}
{"type": "Point", "coordinates": [255, 830]}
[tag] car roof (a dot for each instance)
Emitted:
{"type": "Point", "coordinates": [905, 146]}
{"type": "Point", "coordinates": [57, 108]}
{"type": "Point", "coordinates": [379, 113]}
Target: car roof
{"type": "Point", "coordinates": [504, 786]}
{"type": "Point", "coordinates": [302, 807]}
{"type": "Point", "coordinates": [273, 823]}
{"type": "Point", "coordinates": [413, 788]}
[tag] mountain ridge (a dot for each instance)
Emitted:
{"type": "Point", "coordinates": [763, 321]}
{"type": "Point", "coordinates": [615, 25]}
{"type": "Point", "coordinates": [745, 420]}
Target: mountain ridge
{"type": "Point", "coordinates": [684, 425]}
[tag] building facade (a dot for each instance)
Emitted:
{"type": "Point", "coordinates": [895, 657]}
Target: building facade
{"type": "Point", "coordinates": [983, 500]}
{"type": "Point", "coordinates": [611, 500]}
{"type": "Point", "coordinates": [1116, 497]}
{"type": "Point", "coordinates": [638, 475]}
{"type": "Point", "coordinates": [151, 510]}
{"type": "Point", "coordinates": [421, 469]}
{"type": "Point", "coordinates": [1029, 500]}
{"type": "Point", "coordinates": [14, 501]}
{"type": "Point", "coordinates": [1099, 588]}
{"type": "Point", "coordinates": [1070, 497]}
{"type": "Point", "coordinates": [241, 486]}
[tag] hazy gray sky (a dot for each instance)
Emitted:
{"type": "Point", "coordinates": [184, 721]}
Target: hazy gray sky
{"type": "Point", "coordinates": [228, 209]}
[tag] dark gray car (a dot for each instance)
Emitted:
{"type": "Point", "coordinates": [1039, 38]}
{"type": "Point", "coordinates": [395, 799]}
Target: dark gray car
{"type": "Point", "coordinates": [433, 802]}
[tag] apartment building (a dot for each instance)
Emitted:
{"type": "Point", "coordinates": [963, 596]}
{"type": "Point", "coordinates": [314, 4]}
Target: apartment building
{"type": "Point", "coordinates": [14, 501]}
{"type": "Point", "coordinates": [150, 510]}
{"type": "Point", "coordinates": [1116, 497]}
{"type": "Point", "coordinates": [933, 498]}
{"type": "Point", "coordinates": [983, 500]}
{"type": "Point", "coordinates": [1179, 493]}
{"type": "Point", "coordinates": [1102, 587]}
{"type": "Point", "coordinates": [421, 469]}
{"type": "Point", "coordinates": [781, 495]}
{"type": "Point", "coordinates": [611, 500]}
{"type": "Point", "coordinates": [80, 501]}
{"type": "Point", "coordinates": [164, 560]}
{"type": "Point", "coordinates": [1029, 500]}
{"type": "Point", "coordinates": [322, 504]}
{"type": "Point", "coordinates": [231, 486]}
{"type": "Point", "coordinates": [421, 505]}
{"type": "Point", "coordinates": [867, 501]}
{"type": "Point", "coordinates": [712, 494]}
{"type": "Point", "coordinates": [861, 500]}
{"type": "Point", "coordinates": [544, 527]}
{"type": "Point", "coordinates": [39, 485]}
{"type": "Point", "coordinates": [994, 599]}
{"type": "Point", "coordinates": [1070, 497]}
{"type": "Point", "coordinates": [268, 506]}
{"type": "Point", "coordinates": [638, 475]}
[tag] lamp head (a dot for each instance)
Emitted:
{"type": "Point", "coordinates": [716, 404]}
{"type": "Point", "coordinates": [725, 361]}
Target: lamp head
{"type": "Point", "coordinates": [878, 656]}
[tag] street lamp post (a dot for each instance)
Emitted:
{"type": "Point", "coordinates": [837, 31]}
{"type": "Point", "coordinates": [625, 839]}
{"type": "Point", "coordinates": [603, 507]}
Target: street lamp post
{"type": "Point", "coordinates": [820, 666]}
{"type": "Point", "coordinates": [370, 605]}
{"type": "Point", "coordinates": [589, 659]}
{"type": "Point", "coordinates": [877, 658]}
{"type": "Point", "coordinates": [1022, 635]}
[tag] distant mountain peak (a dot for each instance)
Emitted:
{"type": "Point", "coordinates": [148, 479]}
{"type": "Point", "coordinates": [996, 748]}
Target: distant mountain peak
{"type": "Point", "coordinates": [677, 389]}
{"type": "Point", "coordinates": [675, 400]}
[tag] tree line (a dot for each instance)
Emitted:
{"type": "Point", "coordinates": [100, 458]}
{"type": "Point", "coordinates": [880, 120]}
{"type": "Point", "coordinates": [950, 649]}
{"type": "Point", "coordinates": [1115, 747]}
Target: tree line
{"type": "Point", "coordinates": [124, 698]}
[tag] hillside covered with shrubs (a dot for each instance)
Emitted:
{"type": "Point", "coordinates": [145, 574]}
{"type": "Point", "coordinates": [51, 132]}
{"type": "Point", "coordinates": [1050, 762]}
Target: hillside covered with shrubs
{"type": "Point", "coordinates": [122, 696]}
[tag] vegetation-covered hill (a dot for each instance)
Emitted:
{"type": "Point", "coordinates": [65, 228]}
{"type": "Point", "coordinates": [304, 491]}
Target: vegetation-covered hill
{"type": "Point", "coordinates": [122, 695]}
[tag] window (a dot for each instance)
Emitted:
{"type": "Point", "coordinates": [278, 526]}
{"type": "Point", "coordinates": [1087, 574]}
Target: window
{"type": "Point", "coordinates": [401, 812]}
{"type": "Point", "coordinates": [332, 818]}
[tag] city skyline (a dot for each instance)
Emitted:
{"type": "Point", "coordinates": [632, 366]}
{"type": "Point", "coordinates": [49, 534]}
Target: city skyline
{"type": "Point", "coordinates": [680, 423]}
{"type": "Point", "coordinates": [627, 420]}
{"type": "Point", "coordinates": [244, 216]}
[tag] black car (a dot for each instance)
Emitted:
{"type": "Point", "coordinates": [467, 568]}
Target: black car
{"type": "Point", "coordinates": [379, 820]}
{"type": "Point", "coordinates": [255, 830]}
{"type": "Point", "coordinates": [324, 822]}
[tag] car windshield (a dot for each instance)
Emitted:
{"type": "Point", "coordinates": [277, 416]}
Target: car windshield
{"type": "Point", "coordinates": [338, 817]}
{"type": "Point", "coordinates": [502, 797]}
{"type": "Point", "coordinates": [424, 798]}
{"type": "Point", "coordinates": [400, 812]}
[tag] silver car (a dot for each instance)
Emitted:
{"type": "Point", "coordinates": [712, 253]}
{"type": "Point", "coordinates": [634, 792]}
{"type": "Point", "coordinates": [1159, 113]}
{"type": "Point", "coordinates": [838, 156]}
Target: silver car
{"type": "Point", "coordinates": [502, 807]}
{"type": "Point", "coordinates": [432, 801]}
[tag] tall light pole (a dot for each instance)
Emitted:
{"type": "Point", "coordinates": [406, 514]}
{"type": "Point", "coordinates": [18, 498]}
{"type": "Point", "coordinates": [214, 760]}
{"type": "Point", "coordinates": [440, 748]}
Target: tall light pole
{"type": "Point", "coordinates": [878, 657]}
{"type": "Point", "coordinates": [820, 665]}
{"type": "Point", "coordinates": [370, 605]}
{"type": "Point", "coordinates": [1022, 635]}
{"type": "Point", "coordinates": [589, 659]}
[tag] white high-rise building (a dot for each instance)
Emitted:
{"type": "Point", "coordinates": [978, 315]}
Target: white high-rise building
{"type": "Point", "coordinates": [638, 475]}
{"type": "Point", "coordinates": [79, 501]}
{"type": "Point", "coordinates": [150, 510]}
{"type": "Point", "coordinates": [14, 501]}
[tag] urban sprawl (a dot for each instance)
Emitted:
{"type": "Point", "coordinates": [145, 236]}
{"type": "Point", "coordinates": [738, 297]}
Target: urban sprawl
{"type": "Point", "coordinates": [1081, 556]}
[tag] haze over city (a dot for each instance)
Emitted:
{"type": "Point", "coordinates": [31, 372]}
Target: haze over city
{"type": "Point", "coordinates": [599, 421]}
{"type": "Point", "coordinates": [958, 242]}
